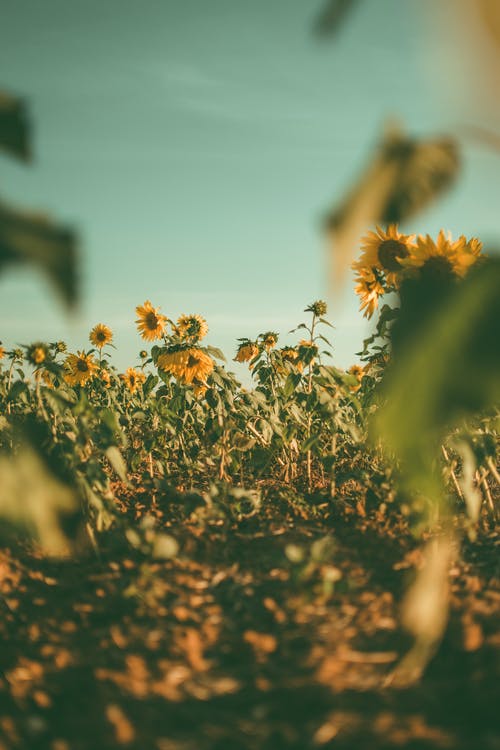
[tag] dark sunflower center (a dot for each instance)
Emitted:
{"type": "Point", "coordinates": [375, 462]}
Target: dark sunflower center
{"type": "Point", "coordinates": [101, 336]}
{"type": "Point", "coordinates": [82, 366]}
{"type": "Point", "coordinates": [388, 253]}
{"type": "Point", "coordinates": [193, 361]}
{"type": "Point", "coordinates": [438, 268]}
{"type": "Point", "coordinates": [151, 321]}
{"type": "Point", "coordinates": [132, 379]}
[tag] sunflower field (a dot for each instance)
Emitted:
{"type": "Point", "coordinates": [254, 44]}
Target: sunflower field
{"type": "Point", "coordinates": [168, 495]}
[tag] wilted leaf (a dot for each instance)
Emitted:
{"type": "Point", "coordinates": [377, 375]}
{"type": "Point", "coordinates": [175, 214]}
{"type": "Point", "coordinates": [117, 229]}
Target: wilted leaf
{"type": "Point", "coordinates": [33, 238]}
{"type": "Point", "coordinates": [14, 126]}
{"type": "Point", "coordinates": [404, 176]}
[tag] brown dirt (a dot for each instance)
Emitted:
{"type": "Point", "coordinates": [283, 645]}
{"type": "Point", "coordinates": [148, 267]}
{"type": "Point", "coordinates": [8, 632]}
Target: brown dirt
{"type": "Point", "coordinates": [233, 646]}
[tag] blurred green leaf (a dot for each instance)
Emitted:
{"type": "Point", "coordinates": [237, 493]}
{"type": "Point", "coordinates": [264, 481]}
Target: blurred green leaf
{"type": "Point", "coordinates": [27, 237]}
{"type": "Point", "coordinates": [332, 16]}
{"type": "Point", "coordinates": [446, 367]}
{"type": "Point", "coordinates": [14, 126]}
{"type": "Point", "coordinates": [404, 176]}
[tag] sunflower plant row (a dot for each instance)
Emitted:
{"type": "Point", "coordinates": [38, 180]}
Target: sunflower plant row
{"type": "Point", "coordinates": [179, 420]}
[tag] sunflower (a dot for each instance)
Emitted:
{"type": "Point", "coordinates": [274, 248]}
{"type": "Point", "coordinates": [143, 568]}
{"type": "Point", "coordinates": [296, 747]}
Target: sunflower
{"type": "Point", "coordinates": [247, 351]}
{"type": "Point", "coordinates": [37, 354]}
{"type": "Point", "coordinates": [269, 339]}
{"type": "Point", "coordinates": [289, 354]}
{"type": "Point", "coordinates": [45, 377]}
{"type": "Point", "coordinates": [443, 258]}
{"type": "Point", "coordinates": [359, 373]}
{"type": "Point", "coordinates": [307, 351]}
{"type": "Point", "coordinates": [80, 367]}
{"type": "Point", "coordinates": [318, 308]}
{"type": "Point", "coordinates": [383, 251]}
{"type": "Point", "coordinates": [199, 389]}
{"type": "Point", "coordinates": [2, 352]}
{"type": "Point", "coordinates": [192, 327]}
{"type": "Point", "coordinates": [369, 288]}
{"type": "Point", "coordinates": [105, 377]}
{"type": "Point", "coordinates": [150, 323]}
{"type": "Point", "coordinates": [187, 365]}
{"type": "Point", "coordinates": [100, 335]}
{"type": "Point", "coordinates": [133, 379]}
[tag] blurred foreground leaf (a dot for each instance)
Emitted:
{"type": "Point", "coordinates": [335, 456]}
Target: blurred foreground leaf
{"type": "Point", "coordinates": [27, 237]}
{"type": "Point", "coordinates": [332, 15]}
{"type": "Point", "coordinates": [446, 366]}
{"type": "Point", "coordinates": [14, 126]}
{"type": "Point", "coordinates": [424, 610]}
{"type": "Point", "coordinates": [404, 176]}
{"type": "Point", "coordinates": [35, 503]}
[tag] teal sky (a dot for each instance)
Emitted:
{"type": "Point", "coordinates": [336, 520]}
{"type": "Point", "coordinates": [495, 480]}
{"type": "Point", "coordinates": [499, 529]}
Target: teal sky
{"type": "Point", "coordinates": [195, 145]}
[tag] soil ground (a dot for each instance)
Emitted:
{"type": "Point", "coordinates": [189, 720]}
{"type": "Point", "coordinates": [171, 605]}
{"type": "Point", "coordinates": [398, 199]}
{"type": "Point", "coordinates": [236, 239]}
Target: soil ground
{"type": "Point", "coordinates": [237, 644]}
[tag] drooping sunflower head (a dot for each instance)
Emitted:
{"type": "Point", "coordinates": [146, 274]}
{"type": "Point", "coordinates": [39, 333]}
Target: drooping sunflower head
{"type": "Point", "coordinates": [269, 340]}
{"type": "Point", "coordinates": [37, 353]}
{"type": "Point", "coordinates": [359, 373]}
{"type": "Point", "coordinates": [79, 368]}
{"type": "Point", "coordinates": [60, 347]}
{"type": "Point", "coordinates": [318, 308]}
{"type": "Point", "coordinates": [100, 335]}
{"type": "Point", "coordinates": [187, 365]}
{"type": "Point", "coordinates": [383, 251]}
{"type": "Point", "coordinates": [45, 377]}
{"type": "Point", "coordinates": [150, 322]}
{"type": "Point", "coordinates": [105, 377]}
{"type": "Point", "coordinates": [369, 288]}
{"type": "Point", "coordinates": [199, 389]}
{"type": "Point", "coordinates": [290, 355]}
{"type": "Point", "coordinates": [192, 327]}
{"type": "Point", "coordinates": [133, 379]}
{"type": "Point", "coordinates": [442, 259]}
{"type": "Point", "coordinates": [2, 351]}
{"type": "Point", "coordinates": [247, 350]}
{"type": "Point", "coordinates": [308, 351]}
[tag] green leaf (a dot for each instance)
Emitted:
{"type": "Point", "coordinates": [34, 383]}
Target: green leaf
{"type": "Point", "coordinates": [446, 368]}
{"type": "Point", "coordinates": [34, 239]}
{"type": "Point", "coordinates": [15, 136]}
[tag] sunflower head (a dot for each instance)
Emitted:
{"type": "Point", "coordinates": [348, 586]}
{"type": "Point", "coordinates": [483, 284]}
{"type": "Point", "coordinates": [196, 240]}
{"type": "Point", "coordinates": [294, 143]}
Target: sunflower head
{"type": "Point", "coordinates": [369, 287]}
{"type": "Point", "coordinates": [105, 377]}
{"type": "Point", "coordinates": [199, 389]}
{"type": "Point", "coordinates": [187, 365]}
{"type": "Point", "coordinates": [269, 340]}
{"type": "Point", "coordinates": [442, 259]}
{"type": "Point", "coordinates": [318, 308]}
{"type": "Point", "coordinates": [100, 335]}
{"type": "Point", "coordinates": [308, 351]}
{"type": "Point", "coordinates": [133, 378]}
{"type": "Point", "coordinates": [150, 322]}
{"type": "Point", "coordinates": [359, 373]}
{"type": "Point", "coordinates": [2, 352]}
{"type": "Point", "coordinates": [37, 354]}
{"type": "Point", "coordinates": [60, 347]}
{"type": "Point", "coordinates": [79, 368]}
{"type": "Point", "coordinates": [143, 354]}
{"type": "Point", "coordinates": [247, 351]}
{"type": "Point", "coordinates": [46, 378]}
{"type": "Point", "coordinates": [192, 327]}
{"type": "Point", "coordinates": [384, 251]}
